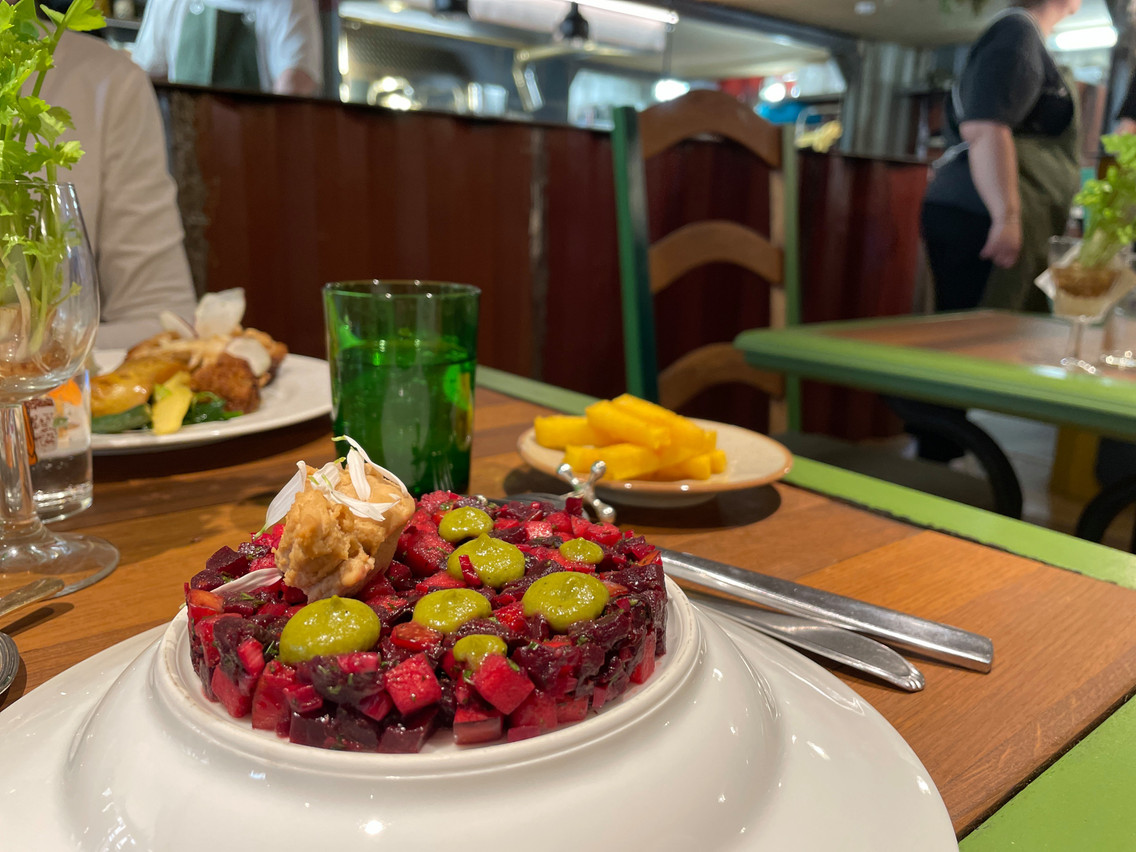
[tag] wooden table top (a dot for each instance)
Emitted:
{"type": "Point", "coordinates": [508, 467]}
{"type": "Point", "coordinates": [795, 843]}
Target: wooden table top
{"type": "Point", "coordinates": [995, 360]}
{"type": "Point", "coordinates": [1065, 651]}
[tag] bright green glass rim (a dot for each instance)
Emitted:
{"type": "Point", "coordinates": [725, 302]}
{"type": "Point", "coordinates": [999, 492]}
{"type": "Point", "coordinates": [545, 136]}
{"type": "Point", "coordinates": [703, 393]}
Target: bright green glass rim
{"type": "Point", "coordinates": [400, 289]}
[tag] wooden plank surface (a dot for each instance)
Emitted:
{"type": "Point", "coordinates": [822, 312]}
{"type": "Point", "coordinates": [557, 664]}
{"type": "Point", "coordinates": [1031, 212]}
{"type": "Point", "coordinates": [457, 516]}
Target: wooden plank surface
{"type": "Point", "coordinates": [1065, 645]}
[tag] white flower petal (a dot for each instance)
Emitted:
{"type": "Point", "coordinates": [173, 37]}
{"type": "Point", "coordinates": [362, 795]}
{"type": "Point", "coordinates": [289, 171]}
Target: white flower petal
{"type": "Point", "coordinates": [361, 508]}
{"type": "Point", "coordinates": [252, 580]}
{"type": "Point", "coordinates": [386, 473]}
{"type": "Point", "coordinates": [282, 502]}
{"type": "Point", "coordinates": [357, 468]}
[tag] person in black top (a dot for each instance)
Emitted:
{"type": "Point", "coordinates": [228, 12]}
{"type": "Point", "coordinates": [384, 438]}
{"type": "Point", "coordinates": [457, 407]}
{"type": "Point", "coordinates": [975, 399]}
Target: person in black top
{"type": "Point", "coordinates": [1007, 182]}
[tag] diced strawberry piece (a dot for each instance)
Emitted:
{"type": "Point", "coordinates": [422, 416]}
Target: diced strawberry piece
{"type": "Point", "coordinates": [425, 553]}
{"type": "Point", "coordinates": [605, 534]}
{"type": "Point", "coordinates": [270, 537]}
{"type": "Point", "coordinates": [273, 610]}
{"type": "Point", "coordinates": [512, 616]}
{"type": "Point", "coordinates": [392, 604]}
{"type": "Point", "coordinates": [303, 698]}
{"type": "Point", "coordinates": [646, 666]}
{"type": "Point", "coordinates": [526, 732]}
{"type": "Point", "coordinates": [452, 668]}
{"type": "Point", "coordinates": [538, 529]}
{"type": "Point", "coordinates": [614, 589]}
{"type": "Point", "coordinates": [506, 524]}
{"type": "Point", "coordinates": [358, 662]}
{"type": "Point", "coordinates": [376, 706]}
{"type": "Point", "coordinates": [561, 522]}
{"type": "Point", "coordinates": [476, 725]}
{"type": "Point", "coordinates": [201, 604]}
{"type": "Point", "coordinates": [413, 685]}
{"type": "Point", "coordinates": [441, 580]}
{"type": "Point", "coordinates": [203, 630]}
{"type": "Point", "coordinates": [434, 501]}
{"type": "Point", "coordinates": [251, 654]}
{"type": "Point", "coordinates": [469, 573]}
{"type": "Point", "coordinates": [270, 710]}
{"type": "Point", "coordinates": [266, 561]}
{"type": "Point", "coordinates": [571, 709]}
{"type": "Point", "coordinates": [415, 636]}
{"type": "Point", "coordinates": [500, 682]}
{"type": "Point", "coordinates": [230, 695]}
{"type": "Point", "coordinates": [578, 567]}
{"type": "Point", "coordinates": [580, 527]}
{"type": "Point", "coordinates": [538, 709]}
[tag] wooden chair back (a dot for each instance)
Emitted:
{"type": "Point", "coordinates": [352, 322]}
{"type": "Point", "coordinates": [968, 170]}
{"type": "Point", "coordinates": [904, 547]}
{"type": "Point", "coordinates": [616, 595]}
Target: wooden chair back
{"type": "Point", "coordinates": [648, 269]}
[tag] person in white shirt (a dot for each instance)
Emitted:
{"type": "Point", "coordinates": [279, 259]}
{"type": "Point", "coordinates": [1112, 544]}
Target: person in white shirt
{"type": "Point", "coordinates": [271, 45]}
{"type": "Point", "coordinates": [126, 194]}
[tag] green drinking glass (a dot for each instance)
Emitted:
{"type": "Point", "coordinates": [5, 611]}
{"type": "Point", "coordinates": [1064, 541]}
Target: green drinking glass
{"type": "Point", "coordinates": [402, 356]}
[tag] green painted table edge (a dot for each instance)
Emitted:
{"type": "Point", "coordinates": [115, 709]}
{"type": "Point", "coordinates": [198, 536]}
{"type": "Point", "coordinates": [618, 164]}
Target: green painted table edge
{"type": "Point", "coordinates": [1083, 801]}
{"type": "Point", "coordinates": [1038, 392]}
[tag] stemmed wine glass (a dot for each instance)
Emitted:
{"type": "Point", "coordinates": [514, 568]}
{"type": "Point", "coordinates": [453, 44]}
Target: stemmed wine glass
{"type": "Point", "coordinates": [49, 311]}
{"type": "Point", "coordinates": [1082, 295]}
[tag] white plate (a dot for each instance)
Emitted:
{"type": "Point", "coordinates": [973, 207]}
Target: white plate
{"type": "Point", "coordinates": [301, 391]}
{"type": "Point", "coordinates": [752, 459]}
{"type": "Point", "coordinates": [736, 743]}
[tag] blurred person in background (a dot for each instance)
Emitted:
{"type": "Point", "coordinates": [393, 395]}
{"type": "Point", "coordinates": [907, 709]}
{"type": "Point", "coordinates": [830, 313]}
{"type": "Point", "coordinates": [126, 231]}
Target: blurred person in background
{"type": "Point", "coordinates": [128, 199]}
{"type": "Point", "coordinates": [1007, 182]}
{"type": "Point", "coordinates": [268, 45]}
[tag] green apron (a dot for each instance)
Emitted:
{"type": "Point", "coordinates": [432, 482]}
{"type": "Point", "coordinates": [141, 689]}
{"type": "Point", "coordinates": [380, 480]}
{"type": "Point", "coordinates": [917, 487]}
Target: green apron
{"type": "Point", "coordinates": [1049, 175]}
{"type": "Point", "coordinates": [216, 48]}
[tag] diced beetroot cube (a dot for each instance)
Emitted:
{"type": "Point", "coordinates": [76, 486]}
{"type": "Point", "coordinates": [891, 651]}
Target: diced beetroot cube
{"type": "Point", "coordinates": [512, 616]}
{"type": "Point", "coordinates": [538, 709]}
{"type": "Point", "coordinates": [270, 709]}
{"type": "Point", "coordinates": [408, 736]}
{"type": "Point", "coordinates": [538, 529]}
{"type": "Point", "coordinates": [500, 682]}
{"type": "Point", "coordinates": [476, 725]}
{"type": "Point", "coordinates": [293, 595]}
{"type": "Point", "coordinates": [376, 706]}
{"type": "Point", "coordinates": [303, 698]}
{"type": "Point", "coordinates": [230, 695]}
{"type": "Point", "coordinates": [376, 587]}
{"type": "Point", "coordinates": [600, 697]}
{"type": "Point", "coordinates": [317, 731]}
{"type": "Point", "coordinates": [415, 636]}
{"type": "Point", "coordinates": [228, 562]}
{"type": "Point", "coordinates": [605, 534]}
{"type": "Point", "coordinates": [571, 709]}
{"type": "Point", "coordinates": [413, 685]}
{"type": "Point", "coordinates": [390, 604]}
{"type": "Point", "coordinates": [646, 666]}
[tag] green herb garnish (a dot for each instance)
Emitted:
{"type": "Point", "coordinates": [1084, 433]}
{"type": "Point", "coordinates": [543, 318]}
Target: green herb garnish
{"type": "Point", "coordinates": [1110, 204]}
{"type": "Point", "coordinates": [33, 247]}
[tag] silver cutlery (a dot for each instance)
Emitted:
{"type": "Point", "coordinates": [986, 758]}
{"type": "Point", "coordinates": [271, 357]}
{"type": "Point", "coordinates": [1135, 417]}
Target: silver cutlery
{"type": "Point", "coordinates": [9, 654]}
{"type": "Point", "coordinates": [930, 639]}
{"type": "Point", "coordinates": [833, 643]}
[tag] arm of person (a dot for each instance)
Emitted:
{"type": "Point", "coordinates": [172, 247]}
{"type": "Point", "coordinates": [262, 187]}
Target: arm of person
{"type": "Point", "coordinates": [994, 168]}
{"type": "Point", "coordinates": [295, 49]}
{"type": "Point", "coordinates": [141, 257]}
{"type": "Point", "coordinates": [295, 81]}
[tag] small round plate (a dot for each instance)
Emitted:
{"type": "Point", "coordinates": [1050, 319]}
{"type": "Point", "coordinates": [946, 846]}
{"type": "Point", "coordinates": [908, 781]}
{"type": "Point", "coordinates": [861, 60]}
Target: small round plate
{"type": "Point", "coordinates": [752, 459]}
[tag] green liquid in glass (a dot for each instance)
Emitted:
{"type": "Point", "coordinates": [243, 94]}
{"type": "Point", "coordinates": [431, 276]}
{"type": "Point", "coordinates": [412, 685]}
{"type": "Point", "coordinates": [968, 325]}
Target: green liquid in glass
{"type": "Point", "coordinates": [409, 403]}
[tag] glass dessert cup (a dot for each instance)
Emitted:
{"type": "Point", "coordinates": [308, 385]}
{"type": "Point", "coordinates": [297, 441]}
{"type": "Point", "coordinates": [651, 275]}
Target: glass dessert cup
{"type": "Point", "coordinates": [1083, 295]}
{"type": "Point", "coordinates": [49, 311]}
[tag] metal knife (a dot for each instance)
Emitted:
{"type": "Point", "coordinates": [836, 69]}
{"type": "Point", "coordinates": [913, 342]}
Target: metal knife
{"type": "Point", "coordinates": [833, 643]}
{"type": "Point", "coordinates": [908, 632]}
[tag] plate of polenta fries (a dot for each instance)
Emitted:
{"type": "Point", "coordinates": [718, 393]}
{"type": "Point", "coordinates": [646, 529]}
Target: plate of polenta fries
{"type": "Point", "coordinates": [654, 457]}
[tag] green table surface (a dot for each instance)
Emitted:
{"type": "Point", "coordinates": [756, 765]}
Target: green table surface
{"type": "Point", "coordinates": [1003, 362]}
{"type": "Point", "coordinates": [1084, 800]}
